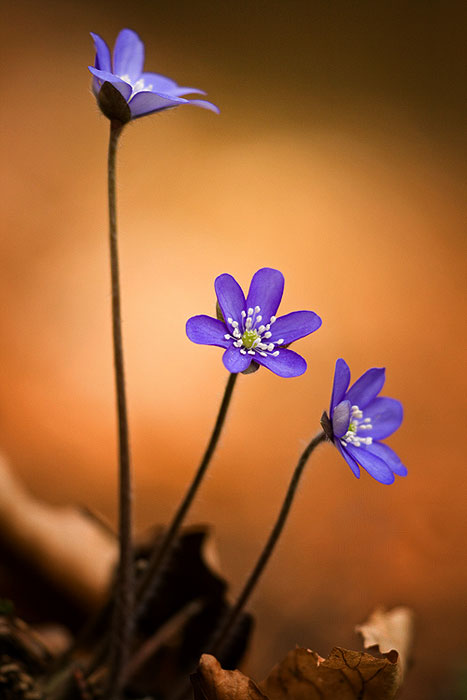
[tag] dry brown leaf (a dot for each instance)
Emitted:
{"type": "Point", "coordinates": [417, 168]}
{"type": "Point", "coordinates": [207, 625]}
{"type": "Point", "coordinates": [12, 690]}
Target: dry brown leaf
{"type": "Point", "coordinates": [391, 632]}
{"type": "Point", "coordinates": [303, 675]}
{"type": "Point", "coordinates": [344, 675]}
{"type": "Point", "coordinates": [67, 546]}
{"type": "Point", "coordinates": [211, 682]}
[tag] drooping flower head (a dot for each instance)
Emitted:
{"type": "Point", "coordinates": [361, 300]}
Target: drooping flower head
{"type": "Point", "coordinates": [359, 419]}
{"type": "Point", "coordinates": [143, 93]}
{"type": "Point", "coordinates": [249, 330]}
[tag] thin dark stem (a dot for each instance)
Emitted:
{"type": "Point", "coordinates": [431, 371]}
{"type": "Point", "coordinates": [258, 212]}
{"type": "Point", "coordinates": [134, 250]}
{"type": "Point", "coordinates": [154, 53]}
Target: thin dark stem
{"type": "Point", "coordinates": [221, 636]}
{"type": "Point", "coordinates": [150, 579]}
{"type": "Point", "coordinates": [124, 598]}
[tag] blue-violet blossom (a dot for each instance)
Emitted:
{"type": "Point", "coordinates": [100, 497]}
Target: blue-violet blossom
{"type": "Point", "coordinates": [250, 330]}
{"type": "Point", "coordinates": [360, 419]}
{"type": "Point", "coordinates": [144, 93]}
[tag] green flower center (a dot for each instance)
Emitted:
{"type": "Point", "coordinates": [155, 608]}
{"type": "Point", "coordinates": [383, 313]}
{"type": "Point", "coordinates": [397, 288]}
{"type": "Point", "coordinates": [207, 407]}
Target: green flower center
{"type": "Point", "coordinates": [250, 338]}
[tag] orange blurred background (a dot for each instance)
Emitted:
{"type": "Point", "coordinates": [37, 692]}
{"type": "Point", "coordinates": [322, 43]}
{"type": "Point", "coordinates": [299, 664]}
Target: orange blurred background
{"type": "Point", "coordinates": [337, 158]}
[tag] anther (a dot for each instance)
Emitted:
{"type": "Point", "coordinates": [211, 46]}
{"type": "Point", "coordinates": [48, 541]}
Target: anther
{"type": "Point", "coordinates": [243, 314]}
{"type": "Point", "coordinates": [268, 334]}
{"type": "Point", "coordinates": [251, 352]}
{"type": "Point", "coordinates": [243, 352]}
{"type": "Point", "coordinates": [275, 354]}
{"type": "Point", "coordinates": [250, 311]}
{"type": "Point", "coordinates": [257, 309]}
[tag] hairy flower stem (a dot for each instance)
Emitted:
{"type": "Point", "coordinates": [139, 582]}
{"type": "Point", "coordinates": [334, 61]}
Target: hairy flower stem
{"type": "Point", "coordinates": [153, 573]}
{"type": "Point", "coordinates": [124, 598]}
{"type": "Point", "coordinates": [222, 635]}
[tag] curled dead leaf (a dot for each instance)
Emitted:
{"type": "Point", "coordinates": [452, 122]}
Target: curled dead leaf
{"type": "Point", "coordinates": [211, 682]}
{"type": "Point", "coordinates": [390, 632]}
{"type": "Point", "coordinates": [304, 675]}
{"type": "Point", "coordinates": [344, 675]}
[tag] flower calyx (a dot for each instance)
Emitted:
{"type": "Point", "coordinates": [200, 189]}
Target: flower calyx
{"type": "Point", "coordinates": [112, 104]}
{"type": "Point", "coordinates": [326, 425]}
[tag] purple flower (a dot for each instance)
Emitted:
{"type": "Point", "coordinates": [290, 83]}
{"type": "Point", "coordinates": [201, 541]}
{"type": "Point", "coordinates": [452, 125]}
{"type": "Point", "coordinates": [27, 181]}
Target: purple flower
{"type": "Point", "coordinates": [144, 93]}
{"type": "Point", "coordinates": [360, 419]}
{"type": "Point", "coordinates": [249, 330]}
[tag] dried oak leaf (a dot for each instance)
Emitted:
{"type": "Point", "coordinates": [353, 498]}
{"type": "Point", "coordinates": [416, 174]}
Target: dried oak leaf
{"type": "Point", "coordinates": [344, 675]}
{"type": "Point", "coordinates": [390, 632]}
{"type": "Point", "coordinates": [304, 675]}
{"type": "Point", "coordinates": [211, 682]}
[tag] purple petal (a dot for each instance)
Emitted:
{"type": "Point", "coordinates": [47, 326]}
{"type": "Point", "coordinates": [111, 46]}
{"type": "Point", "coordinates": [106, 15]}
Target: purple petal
{"type": "Point", "coordinates": [341, 419]}
{"type": "Point", "coordinates": [374, 465]}
{"type": "Point", "coordinates": [205, 330]}
{"type": "Point", "coordinates": [295, 325]}
{"type": "Point", "coordinates": [350, 460]}
{"type": "Point", "coordinates": [386, 416]}
{"type": "Point", "coordinates": [286, 364]}
{"type": "Point", "coordinates": [128, 55]}
{"type": "Point", "coordinates": [234, 361]}
{"type": "Point", "coordinates": [366, 388]}
{"type": "Point", "coordinates": [266, 290]}
{"type": "Point", "coordinates": [160, 83]}
{"type": "Point", "coordinates": [230, 297]}
{"type": "Point", "coordinates": [205, 105]}
{"type": "Point", "coordinates": [105, 77]}
{"type": "Point", "coordinates": [341, 382]}
{"type": "Point", "coordinates": [387, 455]}
{"type": "Point", "coordinates": [148, 102]}
{"type": "Point", "coordinates": [103, 61]}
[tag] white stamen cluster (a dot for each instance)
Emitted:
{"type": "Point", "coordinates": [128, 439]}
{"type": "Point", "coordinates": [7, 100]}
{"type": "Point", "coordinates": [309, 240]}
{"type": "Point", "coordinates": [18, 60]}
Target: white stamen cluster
{"type": "Point", "coordinates": [250, 337]}
{"type": "Point", "coordinates": [357, 422]}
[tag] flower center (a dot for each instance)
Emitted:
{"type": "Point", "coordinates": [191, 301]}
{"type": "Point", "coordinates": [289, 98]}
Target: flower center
{"type": "Point", "coordinates": [251, 336]}
{"type": "Point", "coordinates": [249, 339]}
{"type": "Point", "coordinates": [357, 423]}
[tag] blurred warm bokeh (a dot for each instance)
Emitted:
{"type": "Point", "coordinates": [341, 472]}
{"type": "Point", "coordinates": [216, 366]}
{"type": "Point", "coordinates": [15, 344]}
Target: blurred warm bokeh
{"type": "Point", "coordinates": [337, 158]}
